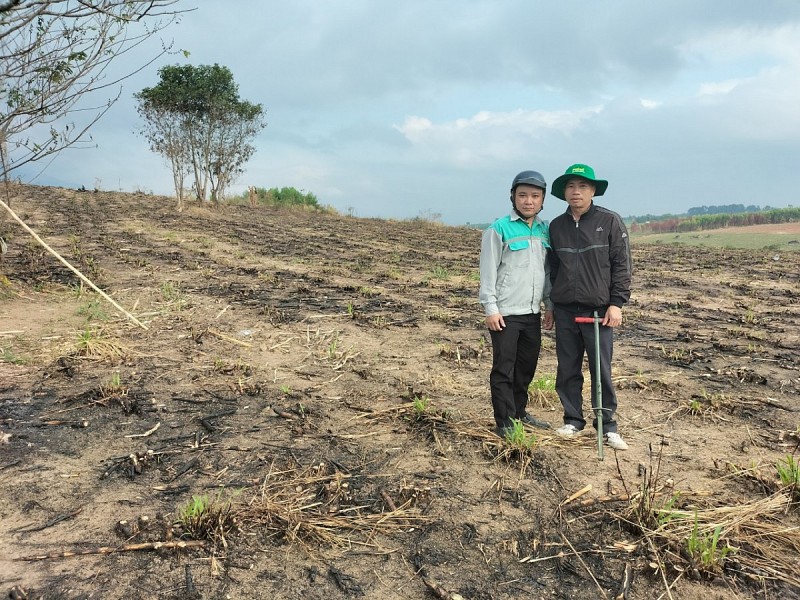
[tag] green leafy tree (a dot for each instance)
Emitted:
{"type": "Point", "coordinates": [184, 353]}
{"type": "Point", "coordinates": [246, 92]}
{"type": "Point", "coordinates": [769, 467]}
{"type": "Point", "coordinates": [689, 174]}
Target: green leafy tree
{"type": "Point", "coordinates": [195, 118]}
{"type": "Point", "coordinates": [53, 53]}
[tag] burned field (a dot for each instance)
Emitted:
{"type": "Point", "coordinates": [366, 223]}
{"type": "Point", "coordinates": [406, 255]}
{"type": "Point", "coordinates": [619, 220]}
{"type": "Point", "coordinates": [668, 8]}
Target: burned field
{"type": "Point", "coordinates": [306, 415]}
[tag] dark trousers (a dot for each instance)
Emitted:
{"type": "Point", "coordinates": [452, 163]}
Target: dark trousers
{"type": "Point", "coordinates": [515, 354]}
{"type": "Point", "coordinates": [573, 340]}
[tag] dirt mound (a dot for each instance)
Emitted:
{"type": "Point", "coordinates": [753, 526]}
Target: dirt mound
{"type": "Point", "coordinates": [307, 415]}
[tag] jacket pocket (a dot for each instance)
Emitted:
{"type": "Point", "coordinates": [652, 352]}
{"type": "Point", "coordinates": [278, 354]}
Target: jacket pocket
{"type": "Point", "coordinates": [519, 254]}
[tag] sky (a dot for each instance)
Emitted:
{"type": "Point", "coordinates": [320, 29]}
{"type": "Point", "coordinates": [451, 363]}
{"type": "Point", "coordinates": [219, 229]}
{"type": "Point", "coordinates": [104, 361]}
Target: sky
{"type": "Point", "coordinates": [429, 108]}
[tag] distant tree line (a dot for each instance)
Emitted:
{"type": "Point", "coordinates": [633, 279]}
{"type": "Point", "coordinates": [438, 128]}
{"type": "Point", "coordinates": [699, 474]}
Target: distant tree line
{"type": "Point", "coordinates": [718, 209]}
{"type": "Point", "coordinates": [700, 222]}
{"type": "Point", "coordinates": [723, 209]}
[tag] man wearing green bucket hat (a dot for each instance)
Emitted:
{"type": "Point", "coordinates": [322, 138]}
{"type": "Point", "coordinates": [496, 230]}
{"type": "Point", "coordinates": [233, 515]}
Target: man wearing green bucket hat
{"type": "Point", "coordinates": [590, 270]}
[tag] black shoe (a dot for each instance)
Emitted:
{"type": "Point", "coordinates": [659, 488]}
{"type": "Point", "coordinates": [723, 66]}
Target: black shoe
{"type": "Point", "coordinates": [529, 420]}
{"type": "Point", "coordinates": [503, 432]}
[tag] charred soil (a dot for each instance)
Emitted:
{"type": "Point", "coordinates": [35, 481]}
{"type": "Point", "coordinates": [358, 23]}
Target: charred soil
{"type": "Point", "coordinates": [307, 415]}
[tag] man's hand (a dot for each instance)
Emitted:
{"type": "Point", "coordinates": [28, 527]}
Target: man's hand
{"type": "Point", "coordinates": [548, 321]}
{"type": "Point", "coordinates": [613, 316]}
{"type": "Point", "coordinates": [495, 322]}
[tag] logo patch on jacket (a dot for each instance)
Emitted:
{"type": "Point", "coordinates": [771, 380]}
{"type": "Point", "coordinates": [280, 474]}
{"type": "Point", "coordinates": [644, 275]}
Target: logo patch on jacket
{"type": "Point", "coordinates": [599, 229]}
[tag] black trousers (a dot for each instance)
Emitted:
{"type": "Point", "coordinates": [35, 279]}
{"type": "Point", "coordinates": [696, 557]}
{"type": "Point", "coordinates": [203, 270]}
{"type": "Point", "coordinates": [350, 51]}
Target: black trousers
{"type": "Point", "coordinates": [573, 340]}
{"type": "Point", "coordinates": [515, 354]}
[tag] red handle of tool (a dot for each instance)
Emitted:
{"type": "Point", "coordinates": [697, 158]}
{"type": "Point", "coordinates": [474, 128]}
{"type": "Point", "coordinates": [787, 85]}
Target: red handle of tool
{"type": "Point", "coordinates": [586, 319]}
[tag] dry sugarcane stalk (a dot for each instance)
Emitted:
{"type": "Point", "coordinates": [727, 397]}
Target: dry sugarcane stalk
{"type": "Point", "coordinates": [439, 591]}
{"type": "Point", "coordinates": [530, 559]}
{"type": "Point", "coordinates": [585, 566]}
{"type": "Point", "coordinates": [584, 490]}
{"type": "Point", "coordinates": [388, 499]}
{"type": "Point", "coordinates": [69, 266]}
{"type": "Point", "coordinates": [370, 413]}
{"type": "Point", "coordinates": [600, 499]}
{"type": "Point", "coordinates": [625, 584]}
{"type": "Point", "coordinates": [283, 414]}
{"type": "Point", "coordinates": [660, 567]}
{"type": "Point", "coordinates": [228, 338]}
{"type": "Point", "coordinates": [190, 589]}
{"type": "Point", "coordinates": [114, 549]}
{"type": "Point", "coordinates": [57, 423]}
{"type": "Point", "coordinates": [50, 523]}
{"type": "Point", "coordinates": [146, 433]}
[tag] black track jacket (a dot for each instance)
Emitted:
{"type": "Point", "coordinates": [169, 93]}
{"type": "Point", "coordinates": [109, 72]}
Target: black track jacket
{"type": "Point", "coordinates": [590, 261]}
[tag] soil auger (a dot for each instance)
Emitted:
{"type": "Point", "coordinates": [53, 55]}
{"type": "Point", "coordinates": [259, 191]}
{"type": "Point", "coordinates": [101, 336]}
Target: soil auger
{"type": "Point", "coordinates": [598, 383]}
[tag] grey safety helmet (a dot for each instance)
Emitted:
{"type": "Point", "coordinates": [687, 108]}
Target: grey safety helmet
{"type": "Point", "coordinates": [530, 178]}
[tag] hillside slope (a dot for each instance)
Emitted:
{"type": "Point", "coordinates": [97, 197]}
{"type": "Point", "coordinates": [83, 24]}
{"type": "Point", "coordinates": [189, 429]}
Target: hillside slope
{"type": "Point", "coordinates": [323, 381]}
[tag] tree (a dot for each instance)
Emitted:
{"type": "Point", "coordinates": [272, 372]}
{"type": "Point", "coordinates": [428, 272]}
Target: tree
{"type": "Point", "coordinates": [165, 137]}
{"type": "Point", "coordinates": [53, 53]}
{"type": "Point", "coordinates": [213, 127]}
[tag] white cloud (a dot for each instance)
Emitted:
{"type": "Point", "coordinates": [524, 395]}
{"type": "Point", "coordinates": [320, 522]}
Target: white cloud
{"type": "Point", "coordinates": [491, 135]}
{"type": "Point", "coordinates": [476, 94]}
{"type": "Point", "coordinates": [718, 88]}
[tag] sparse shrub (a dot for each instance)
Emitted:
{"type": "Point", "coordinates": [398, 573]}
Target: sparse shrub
{"type": "Point", "coordinates": [789, 475]}
{"type": "Point", "coordinates": [545, 383]}
{"type": "Point", "coordinates": [115, 392]}
{"type": "Point", "coordinates": [428, 216]}
{"type": "Point", "coordinates": [116, 382]}
{"type": "Point", "coordinates": [668, 510]}
{"type": "Point", "coordinates": [5, 287]}
{"type": "Point", "coordinates": [440, 273]}
{"type": "Point", "coordinates": [440, 315]}
{"type": "Point", "coordinates": [204, 518]}
{"type": "Point", "coordinates": [237, 367]}
{"type": "Point", "coordinates": [285, 196]}
{"type": "Point", "coordinates": [704, 549]}
{"type": "Point", "coordinates": [93, 343]}
{"type": "Point", "coordinates": [93, 311]}
{"type": "Point", "coordinates": [517, 438]}
{"type": "Point", "coordinates": [8, 355]}
{"type": "Point", "coordinates": [172, 294]}
{"type": "Point", "coordinates": [332, 348]}
{"type": "Point", "coordinates": [694, 407]}
{"type": "Point", "coordinates": [420, 405]}
{"type": "Point", "coordinates": [204, 242]}
{"type": "Point", "coordinates": [543, 390]}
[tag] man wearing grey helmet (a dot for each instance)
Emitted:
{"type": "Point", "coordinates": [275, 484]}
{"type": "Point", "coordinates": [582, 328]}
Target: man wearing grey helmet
{"type": "Point", "coordinates": [515, 285]}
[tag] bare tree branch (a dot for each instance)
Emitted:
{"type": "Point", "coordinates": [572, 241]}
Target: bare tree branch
{"type": "Point", "coordinates": [55, 52]}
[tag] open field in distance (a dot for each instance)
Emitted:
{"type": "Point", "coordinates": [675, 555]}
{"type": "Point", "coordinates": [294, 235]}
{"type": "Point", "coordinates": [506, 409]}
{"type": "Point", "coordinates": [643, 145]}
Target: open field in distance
{"type": "Point", "coordinates": [782, 236]}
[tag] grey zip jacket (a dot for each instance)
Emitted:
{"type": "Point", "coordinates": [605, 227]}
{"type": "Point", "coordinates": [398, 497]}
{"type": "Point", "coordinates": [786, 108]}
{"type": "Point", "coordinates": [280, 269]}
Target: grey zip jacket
{"type": "Point", "coordinates": [515, 272]}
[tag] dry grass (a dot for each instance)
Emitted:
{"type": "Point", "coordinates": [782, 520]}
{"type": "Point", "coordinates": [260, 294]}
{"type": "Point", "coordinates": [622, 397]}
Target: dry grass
{"type": "Point", "coordinates": [94, 343]}
{"type": "Point", "coordinates": [701, 537]}
{"type": "Point", "coordinates": [320, 505]}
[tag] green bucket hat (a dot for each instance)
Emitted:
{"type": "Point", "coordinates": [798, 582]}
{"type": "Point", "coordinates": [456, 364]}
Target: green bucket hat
{"type": "Point", "coordinates": [582, 171]}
